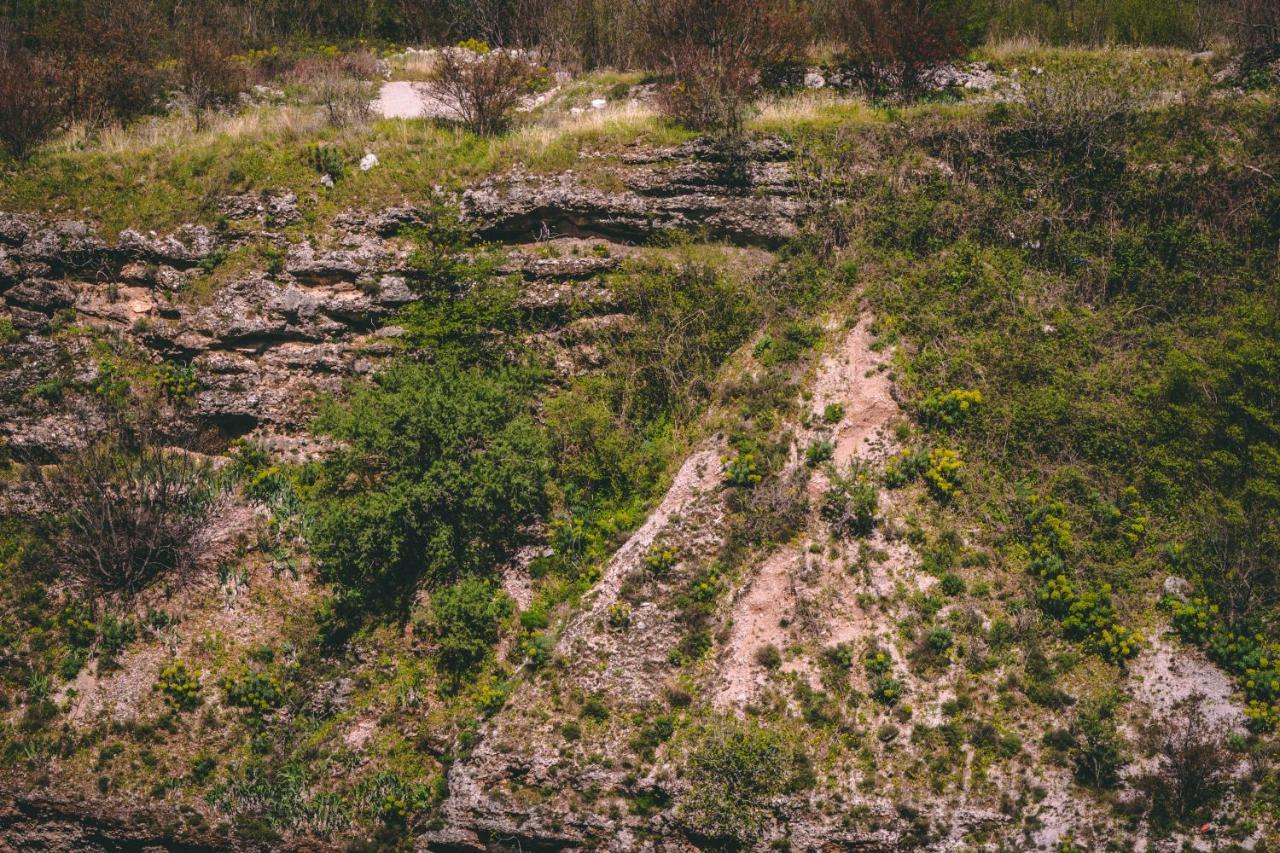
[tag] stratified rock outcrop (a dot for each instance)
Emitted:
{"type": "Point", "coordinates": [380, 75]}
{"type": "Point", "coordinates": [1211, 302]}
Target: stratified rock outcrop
{"type": "Point", "coordinates": [265, 342]}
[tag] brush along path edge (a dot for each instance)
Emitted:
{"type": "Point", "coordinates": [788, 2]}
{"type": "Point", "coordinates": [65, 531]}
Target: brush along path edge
{"type": "Point", "coordinates": [518, 752]}
{"type": "Point", "coordinates": [854, 376]}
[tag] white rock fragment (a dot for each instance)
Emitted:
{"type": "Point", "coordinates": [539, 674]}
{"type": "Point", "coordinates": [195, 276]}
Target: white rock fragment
{"type": "Point", "coordinates": [599, 104]}
{"type": "Point", "coordinates": [326, 181]}
{"type": "Point", "coordinates": [368, 162]}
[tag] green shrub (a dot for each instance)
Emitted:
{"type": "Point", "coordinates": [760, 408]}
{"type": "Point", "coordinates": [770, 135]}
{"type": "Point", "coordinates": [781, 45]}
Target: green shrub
{"type": "Point", "coordinates": [179, 381]}
{"type": "Point", "coordinates": [465, 618]}
{"type": "Point", "coordinates": [768, 656]}
{"type": "Point", "coordinates": [742, 471]}
{"type": "Point", "coordinates": [940, 640]}
{"type": "Point", "coordinates": [943, 473]}
{"type": "Point", "coordinates": [952, 585]}
{"type": "Point", "coordinates": [833, 413]}
{"type": "Point", "coordinates": [660, 559]}
{"type": "Point", "coordinates": [326, 160]}
{"type": "Point", "coordinates": [950, 409]}
{"type": "Point", "coordinates": [1098, 750]}
{"type": "Point", "coordinates": [735, 769]}
{"type": "Point", "coordinates": [619, 615]}
{"type": "Point", "coordinates": [442, 470]}
{"type": "Point", "coordinates": [258, 692]}
{"type": "Point", "coordinates": [905, 468]}
{"type": "Point", "coordinates": [179, 686]}
{"type": "Point", "coordinates": [877, 661]}
{"type": "Point", "coordinates": [886, 690]}
{"type": "Point", "coordinates": [819, 450]}
{"type": "Point", "coordinates": [850, 503]}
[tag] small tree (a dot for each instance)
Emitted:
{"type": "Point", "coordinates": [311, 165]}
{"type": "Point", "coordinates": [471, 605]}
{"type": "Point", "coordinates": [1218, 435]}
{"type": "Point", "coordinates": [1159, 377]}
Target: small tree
{"type": "Point", "coordinates": [1193, 765]}
{"type": "Point", "coordinates": [482, 86]}
{"type": "Point", "coordinates": [1098, 750]}
{"type": "Point", "coordinates": [32, 105]}
{"type": "Point", "coordinates": [735, 770]}
{"type": "Point", "coordinates": [891, 44]}
{"type": "Point", "coordinates": [713, 50]}
{"type": "Point", "coordinates": [207, 73]}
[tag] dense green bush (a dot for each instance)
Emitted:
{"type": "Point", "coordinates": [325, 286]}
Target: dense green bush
{"type": "Point", "coordinates": [1097, 748]}
{"type": "Point", "coordinates": [465, 618]}
{"type": "Point", "coordinates": [442, 470]}
{"type": "Point", "coordinates": [258, 692]}
{"type": "Point", "coordinates": [179, 686]}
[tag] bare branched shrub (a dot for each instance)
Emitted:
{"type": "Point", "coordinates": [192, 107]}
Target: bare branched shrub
{"type": "Point", "coordinates": [1194, 766]}
{"type": "Point", "coordinates": [32, 105]}
{"type": "Point", "coordinates": [483, 87]}
{"type": "Point", "coordinates": [890, 45]}
{"type": "Point", "coordinates": [207, 74]}
{"type": "Point", "coordinates": [714, 50]}
{"type": "Point", "coordinates": [1257, 27]}
{"type": "Point", "coordinates": [346, 98]}
{"type": "Point", "coordinates": [1076, 114]}
{"type": "Point", "coordinates": [126, 510]}
{"type": "Point", "coordinates": [776, 508]}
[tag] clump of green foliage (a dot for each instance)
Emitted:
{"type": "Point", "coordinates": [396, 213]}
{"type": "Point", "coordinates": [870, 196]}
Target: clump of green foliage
{"type": "Point", "coordinates": [1248, 655]}
{"type": "Point", "coordinates": [850, 502]}
{"type": "Point", "coordinates": [950, 409]}
{"type": "Point", "coordinates": [742, 471]}
{"type": "Point", "coordinates": [943, 473]}
{"type": "Point", "coordinates": [258, 692]}
{"type": "Point", "coordinates": [734, 769]}
{"type": "Point", "coordinates": [179, 686]}
{"type": "Point", "coordinates": [465, 617]}
{"type": "Point", "coordinates": [443, 468]}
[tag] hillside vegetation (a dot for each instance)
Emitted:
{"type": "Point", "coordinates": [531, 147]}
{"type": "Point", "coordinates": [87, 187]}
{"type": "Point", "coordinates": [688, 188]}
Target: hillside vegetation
{"type": "Point", "coordinates": [866, 441]}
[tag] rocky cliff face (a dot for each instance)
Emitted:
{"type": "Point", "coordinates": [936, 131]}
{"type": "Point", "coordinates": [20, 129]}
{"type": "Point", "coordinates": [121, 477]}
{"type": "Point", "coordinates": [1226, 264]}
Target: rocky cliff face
{"type": "Point", "coordinates": [264, 341]}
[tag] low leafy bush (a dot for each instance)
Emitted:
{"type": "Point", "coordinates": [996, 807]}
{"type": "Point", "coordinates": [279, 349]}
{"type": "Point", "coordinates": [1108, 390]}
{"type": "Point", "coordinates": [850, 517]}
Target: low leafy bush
{"type": "Point", "coordinates": [769, 657]}
{"type": "Point", "coordinates": [950, 409]}
{"type": "Point", "coordinates": [735, 768]}
{"type": "Point", "coordinates": [659, 559]}
{"type": "Point", "coordinates": [819, 450]}
{"type": "Point", "coordinates": [443, 469]}
{"type": "Point", "coordinates": [619, 616]}
{"type": "Point", "coordinates": [943, 473]}
{"type": "Point", "coordinates": [179, 686]}
{"type": "Point", "coordinates": [904, 468]}
{"type": "Point", "coordinates": [326, 159]}
{"type": "Point", "coordinates": [465, 618]}
{"type": "Point", "coordinates": [850, 502]}
{"type": "Point", "coordinates": [952, 585]}
{"type": "Point", "coordinates": [742, 471]}
{"type": "Point", "coordinates": [258, 692]}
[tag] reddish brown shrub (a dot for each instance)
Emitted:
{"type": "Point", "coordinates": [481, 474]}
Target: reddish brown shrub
{"type": "Point", "coordinates": [32, 104]}
{"type": "Point", "coordinates": [714, 51]}
{"type": "Point", "coordinates": [207, 73]}
{"type": "Point", "coordinates": [891, 44]}
{"type": "Point", "coordinates": [483, 87]}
